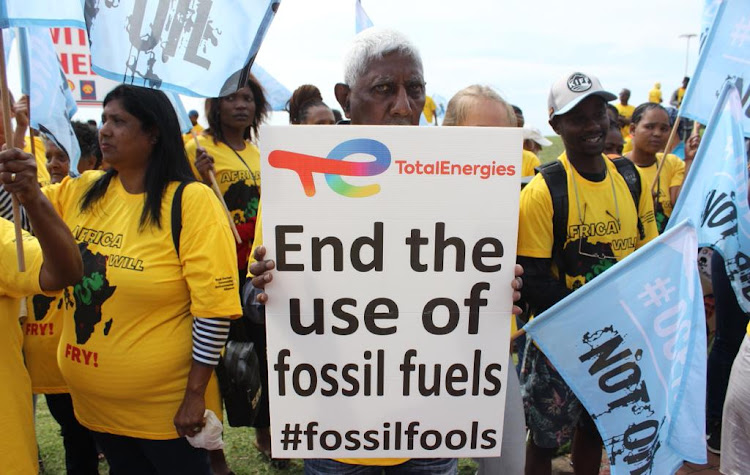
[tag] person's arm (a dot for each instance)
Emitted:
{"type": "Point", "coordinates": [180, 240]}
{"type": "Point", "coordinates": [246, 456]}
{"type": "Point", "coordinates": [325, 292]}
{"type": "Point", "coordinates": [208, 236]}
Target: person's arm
{"type": "Point", "coordinates": [691, 149]}
{"type": "Point", "coordinates": [209, 266]}
{"type": "Point", "coordinates": [541, 289]}
{"type": "Point", "coordinates": [62, 264]}
{"type": "Point", "coordinates": [204, 163]}
{"type": "Point", "coordinates": [209, 338]}
{"type": "Point", "coordinates": [189, 418]}
{"type": "Point", "coordinates": [21, 113]}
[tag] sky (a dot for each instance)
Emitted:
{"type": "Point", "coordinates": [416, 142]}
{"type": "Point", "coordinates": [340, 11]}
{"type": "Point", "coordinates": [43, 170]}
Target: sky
{"type": "Point", "coordinates": [518, 47]}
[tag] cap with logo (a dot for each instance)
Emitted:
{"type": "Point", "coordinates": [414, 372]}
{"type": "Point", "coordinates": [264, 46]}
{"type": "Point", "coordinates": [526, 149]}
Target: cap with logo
{"type": "Point", "coordinates": [568, 91]}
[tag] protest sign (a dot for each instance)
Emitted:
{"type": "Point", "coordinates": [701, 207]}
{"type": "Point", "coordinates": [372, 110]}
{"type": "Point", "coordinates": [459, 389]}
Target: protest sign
{"type": "Point", "coordinates": [634, 353]}
{"type": "Point", "coordinates": [72, 47]}
{"type": "Point", "coordinates": [388, 320]}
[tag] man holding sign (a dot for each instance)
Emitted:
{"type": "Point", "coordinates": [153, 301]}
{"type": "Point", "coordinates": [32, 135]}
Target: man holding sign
{"type": "Point", "coordinates": [384, 86]}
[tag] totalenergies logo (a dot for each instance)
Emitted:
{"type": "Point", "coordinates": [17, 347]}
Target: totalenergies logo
{"type": "Point", "coordinates": [335, 167]}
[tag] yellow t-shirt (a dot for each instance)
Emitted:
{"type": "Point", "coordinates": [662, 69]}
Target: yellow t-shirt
{"type": "Point", "coordinates": [197, 129]}
{"type": "Point", "coordinates": [628, 146]}
{"type": "Point", "coordinates": [680, 95]}
{"type": "Point", "coordinates": [627, 112]}
{"type": "Point", "coordinates": [672, 174]}
{"type": "Point", "coordinates": [429, 109]}
{"type": "Point", "coordinates": [238, 177]}
{"type": "Point", "coordinates": [125, 349]}
{"type": "Point", "coordinates": [259, 242]}
{"type": "Point", "coordinates": [18, 454]}
{"type": "Point", "coordinates": [604, 231]}
{"type": "Point", "coordinates": [41, 336]}
{"type": "Point", "coordinates": [654, 95]}
{"type": "Point", "coordinates": [42, 174]}
{"type": "Point", "coordinates": [529, 162]}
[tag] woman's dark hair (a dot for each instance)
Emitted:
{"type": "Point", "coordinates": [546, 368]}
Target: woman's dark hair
{"type": "Point", "coordinates": [262, 109]}
{"type": "Point", "coordinates": [303, 98]}
{"type": "Point", "coordinates": [88, 141]}
{"type": "Point", "coordinates": [641, 110]}
{"type": "Point", "coordinates": [167, 162]}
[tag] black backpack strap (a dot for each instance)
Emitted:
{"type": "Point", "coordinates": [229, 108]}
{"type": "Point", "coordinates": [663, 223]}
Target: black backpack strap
{"type": "Point", "coordinates": [177, 216]}
{"type": "Point", "coordinates": [557, 182]}
{"type": "Point", "coordinates": [632, 177]}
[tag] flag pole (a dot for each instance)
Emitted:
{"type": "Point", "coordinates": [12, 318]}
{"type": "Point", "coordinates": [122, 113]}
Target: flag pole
{"type": "Point", "coordinates": [217, 192]}
{"type": "Point", "coordinates": [655, 184]}
{"type": "Point", "coordinates": [9, 141]}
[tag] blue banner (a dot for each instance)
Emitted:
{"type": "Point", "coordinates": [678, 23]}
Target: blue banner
{"type": "Point", "coordinates": [195, 48]}
{"type": "Point", "coordinates": [714, 194]}
{"type": "Point", "coordinates": [710, 7]}
{"type": "Point", "coordinates": [361, 19]}
{"type": "Point", "coordinates": [725, 55]}
{"type": "Point", "coordinates": [51, 104]}
{"type": "Point", "coordinates": [42, 13]}
{"type": "Point", "coordinates": [634, 353]}
{"type": "Point", "coordinates": [276, 93]}
{"type": "Point", "coordinates": [179, 108]}
{"type": "Point", "coordinates": [9, 36]}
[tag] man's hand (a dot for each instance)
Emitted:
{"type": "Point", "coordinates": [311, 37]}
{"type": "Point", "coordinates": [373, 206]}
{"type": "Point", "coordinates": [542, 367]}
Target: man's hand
{"type": "Point", "coordinates": [517, 284]}
{"type": "Point", "coordinates": [261, 270]}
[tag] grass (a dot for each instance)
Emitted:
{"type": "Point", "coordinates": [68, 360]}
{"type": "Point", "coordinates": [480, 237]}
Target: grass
{"type": "Point", "coordinates": [553, 151]}
{"type": "Point", "coordinates": [242, 456]}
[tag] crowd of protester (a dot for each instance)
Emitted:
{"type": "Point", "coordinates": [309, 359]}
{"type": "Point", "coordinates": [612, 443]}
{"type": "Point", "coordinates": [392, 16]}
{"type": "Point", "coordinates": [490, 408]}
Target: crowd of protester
{"type": "Point", "coordinates": [134, 285]}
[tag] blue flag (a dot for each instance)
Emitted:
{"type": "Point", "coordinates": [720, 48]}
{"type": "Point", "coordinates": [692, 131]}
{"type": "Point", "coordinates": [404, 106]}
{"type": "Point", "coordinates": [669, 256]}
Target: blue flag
{"type": "Point", "coordinates": [276, 93]}
{"type": "Point", "coordinates": [9, 36]}
{"type": "Point", "coordinates": [179, 108]}
{"type": "Point", "coordinates": [714, 194]}
{"type": "Point", "coordinates": [725, 55]}
{"type": "Point", "coordinates": [196, 48]}
{"type": "Point", "coordinates": [710, 7]}
{"type": "Point", "coordinates": [51, 104]}
{"type": "Point", "coordinates": [42, 13]}
{"type": "Point", "coordinates": [361, 19]}
{"type": "Point", "coordinates": [632, 346]}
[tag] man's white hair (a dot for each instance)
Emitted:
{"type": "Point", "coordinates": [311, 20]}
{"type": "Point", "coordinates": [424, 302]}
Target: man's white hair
{"type": "Point", "coordinates": [375, 43]}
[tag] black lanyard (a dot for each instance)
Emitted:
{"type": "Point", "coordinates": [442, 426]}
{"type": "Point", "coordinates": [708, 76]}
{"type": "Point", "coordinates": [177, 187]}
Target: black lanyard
{"type": "Point", "coordinates": [252, 175]}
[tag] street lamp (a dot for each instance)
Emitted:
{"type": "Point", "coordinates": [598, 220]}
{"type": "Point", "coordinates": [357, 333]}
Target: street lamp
{"type": "Point", "coordinates": [687, 37]}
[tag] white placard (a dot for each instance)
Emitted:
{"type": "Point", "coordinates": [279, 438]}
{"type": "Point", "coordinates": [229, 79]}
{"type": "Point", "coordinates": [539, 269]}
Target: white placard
{"type": "Point", "coordinates": [388, 319]}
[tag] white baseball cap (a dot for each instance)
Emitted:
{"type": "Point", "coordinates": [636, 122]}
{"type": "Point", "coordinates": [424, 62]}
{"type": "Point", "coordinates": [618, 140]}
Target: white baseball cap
{"type": "Point", "coordinates": [571, 89]}
{"type": "Point", "coordinates": [532, 133]}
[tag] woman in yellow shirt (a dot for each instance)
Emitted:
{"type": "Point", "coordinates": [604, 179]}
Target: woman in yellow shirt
{"type": "Point", "coordinates": [52, 262]}
{"type": "Point", "coordinates": [144, 327]}
{"type": "Point", "coordinates": [226, 151]}
{"type": "Point", "coordinates": [650, 127]}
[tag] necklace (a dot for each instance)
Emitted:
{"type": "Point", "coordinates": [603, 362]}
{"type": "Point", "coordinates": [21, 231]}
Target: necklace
{"type": "Point", "coordinates": [252, 175]}
{"type": "Point", "coordinates": [582, 216]}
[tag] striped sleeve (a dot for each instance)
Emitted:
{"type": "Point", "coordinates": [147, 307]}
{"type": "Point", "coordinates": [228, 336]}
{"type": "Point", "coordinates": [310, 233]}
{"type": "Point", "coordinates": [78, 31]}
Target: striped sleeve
{"type": "Point", "coordinates": [6, 210]}
{"type": "Point", "coordinates": [209, 337]}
